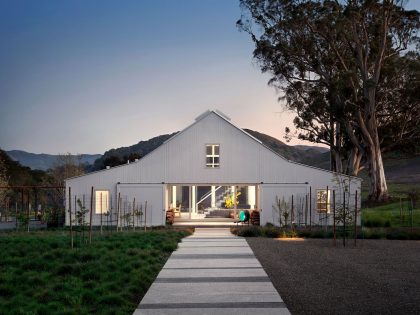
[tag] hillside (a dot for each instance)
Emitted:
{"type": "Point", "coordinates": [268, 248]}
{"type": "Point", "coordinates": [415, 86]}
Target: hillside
{"type": "Point", "coordinates": [18, 174]}
{"type": "Point", "coordinates": [120, 155]}
{"type": "Point", "coordinates": [44, 161]}
{"type": "Point", "coordinates": [289, 152]}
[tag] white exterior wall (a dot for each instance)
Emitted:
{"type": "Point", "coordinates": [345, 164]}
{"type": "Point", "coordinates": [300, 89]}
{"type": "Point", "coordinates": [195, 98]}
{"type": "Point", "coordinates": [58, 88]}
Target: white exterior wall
{"type": "Point", "coordinates": [181, 160]}
{"type": "Point", "coordinates": [150, 197]}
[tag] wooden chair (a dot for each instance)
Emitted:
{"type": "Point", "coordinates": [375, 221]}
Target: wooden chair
{"type": "Point", "coordinates": [177, 211]}
{"type": "Point", "coordinates": [243, 217]}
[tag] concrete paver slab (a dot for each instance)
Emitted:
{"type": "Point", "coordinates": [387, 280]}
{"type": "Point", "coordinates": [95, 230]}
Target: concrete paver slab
{"type": "Point", "coordinates": [212, 272]}
{"type": "Point", "coordinates": [214, 311]}
{"type": "Point", "coordinates": [212, 250]}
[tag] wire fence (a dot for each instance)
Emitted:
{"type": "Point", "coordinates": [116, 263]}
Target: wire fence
{"type": "Point", "coordinates": [30, 207]}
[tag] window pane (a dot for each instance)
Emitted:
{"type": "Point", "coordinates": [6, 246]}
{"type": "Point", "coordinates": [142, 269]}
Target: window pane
{"type": "Point", "coordinates": [216, 160]}
{"type": "Point", "coordinates": [208, 149]}
{"type": "Point", "coordinates": [323, 200]}
{"type": "Point", "coordinates": [209, 160]}
{"type": "Point", "coordinates": [216, 149]}
{"type": "Point", "coordinates": [101, 201]}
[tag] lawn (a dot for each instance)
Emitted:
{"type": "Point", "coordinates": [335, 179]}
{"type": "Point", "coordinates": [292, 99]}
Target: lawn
{"type": "Point", "coordinates": [41, 274]}
{"type": "Point", "coordinates": [391, 215]}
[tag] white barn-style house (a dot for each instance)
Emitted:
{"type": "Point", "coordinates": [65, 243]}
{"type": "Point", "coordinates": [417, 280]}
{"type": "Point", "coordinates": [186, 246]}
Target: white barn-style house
{"type": "Point", "coordinates": [203, 167]}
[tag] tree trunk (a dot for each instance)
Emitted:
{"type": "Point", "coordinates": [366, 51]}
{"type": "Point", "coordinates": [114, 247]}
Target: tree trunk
{"type": "Point", "coordinates": [355, 159]}
{"type": "Point", "coordinates": [378, 190]}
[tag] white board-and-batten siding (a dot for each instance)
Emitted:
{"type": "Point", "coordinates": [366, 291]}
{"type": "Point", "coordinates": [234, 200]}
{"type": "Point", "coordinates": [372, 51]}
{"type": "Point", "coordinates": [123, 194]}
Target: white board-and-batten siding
{"type": "Point", "coordinates": [182, 160]}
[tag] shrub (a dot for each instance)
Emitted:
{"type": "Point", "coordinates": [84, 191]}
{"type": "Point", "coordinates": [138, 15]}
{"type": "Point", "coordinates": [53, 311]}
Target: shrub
{"type": "Point", "coordinates": [252, 231]}
{"type": "Point", "coordinates": [270, 231]}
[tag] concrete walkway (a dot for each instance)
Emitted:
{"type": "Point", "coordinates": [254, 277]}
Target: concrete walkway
{"type": "Point", "coordinates": [212, 272]}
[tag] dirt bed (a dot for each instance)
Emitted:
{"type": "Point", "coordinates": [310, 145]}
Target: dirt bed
{"type": "Point", "coordinates": [314, 277]}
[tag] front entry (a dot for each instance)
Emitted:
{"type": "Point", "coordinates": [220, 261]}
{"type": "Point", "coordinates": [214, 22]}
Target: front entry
{"type": "Point", "coordinates": [206, 202]}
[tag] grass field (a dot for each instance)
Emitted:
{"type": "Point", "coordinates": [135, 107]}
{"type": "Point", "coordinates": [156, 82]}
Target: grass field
{"type": "Point", "coordinates": [394, 214]}
{"type": "Point", "coordinates": [41, 274]}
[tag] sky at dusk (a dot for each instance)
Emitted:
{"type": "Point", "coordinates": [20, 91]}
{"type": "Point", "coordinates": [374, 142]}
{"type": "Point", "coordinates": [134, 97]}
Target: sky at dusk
{"type": "Point", "coordinates": [87, 76]}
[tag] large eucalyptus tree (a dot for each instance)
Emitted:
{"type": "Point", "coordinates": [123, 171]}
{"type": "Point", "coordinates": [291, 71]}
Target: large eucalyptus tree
{"type": "Point", "coordinates": [328, 58]}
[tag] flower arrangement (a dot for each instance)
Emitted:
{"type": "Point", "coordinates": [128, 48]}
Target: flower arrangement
{"type": "Point", "coordinates": [232, 200]}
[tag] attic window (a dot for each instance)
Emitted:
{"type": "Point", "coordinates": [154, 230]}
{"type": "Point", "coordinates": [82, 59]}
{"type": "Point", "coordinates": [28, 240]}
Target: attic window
{"type": "Point", "coordinates": [212, 155]}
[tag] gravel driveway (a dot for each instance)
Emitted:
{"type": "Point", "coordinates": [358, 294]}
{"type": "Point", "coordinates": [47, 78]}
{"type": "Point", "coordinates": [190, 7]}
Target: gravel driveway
{"type": "Point", "coordinates": [314, 277]}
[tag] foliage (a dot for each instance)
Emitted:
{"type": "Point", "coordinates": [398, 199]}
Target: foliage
{"type": "Point", "coordinates": [365, 233]}
{"type": "Point", "coordinates": [393, 214]}
{"type": "Point", "coordinates": [80, 218]}
{"type": "Point", "coordinates": [269, 231]}
{"type": "Point", "coordinates": [121, 155]}
{"type": "Point", "coordinates": [339, 65]}
{"type": "Point", "coordinates": [4, 181]}
{"type": "Point", "coordinates": [40, 274]}
{"type": "Point", "coordinates": [231, 200]}
{"type": "Point", "coordinates": [23, 220]}
{"type": "Point", "coordinates": [281, 207]}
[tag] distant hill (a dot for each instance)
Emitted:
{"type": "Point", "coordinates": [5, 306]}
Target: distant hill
{"type": "Point", "coordinates": [18, 174]}
{"type": "Point", "coordinates": [44, 161]}
{"type": "Point", "coordinates": [288, 151]}
{"type": "Point", "coordinates": [397, 170]}
{"type": "Point", "coordinates": [312, 148]}
{"type": "Point", "coordinates": [119, 156]}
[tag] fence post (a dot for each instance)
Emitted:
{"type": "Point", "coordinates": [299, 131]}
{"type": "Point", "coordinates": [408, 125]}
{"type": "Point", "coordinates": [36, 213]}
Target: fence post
{"type": "Point", "coordinates": [326, 210]}
{"type": "Point", "coordinates": [71, 225]}
{"type": "Point", "coordinates": [134, 204]}
{"type": "Point", "coordinates": [344, 218]}
{"type": "Point", "coordinates": [310, 207]}
{"type": "Point", "coordinates": [145, 215]}
{"type": "Point", "coordinates": [16, 214]}
{"type": "Point", "coordinates": [27, 211]}
{"type": "Point", "coordinates": [118, 210]}
{"type": "Point", "coordinates": [91, 215]}
{"type": "Point", "coordinates": [101, 212]}
{"type": "Point", "coordinates": [292, 217]}
{"type": "Point", "coordinates": [355, 218]}
{"type": "Point", "coordinates": [334, 230]}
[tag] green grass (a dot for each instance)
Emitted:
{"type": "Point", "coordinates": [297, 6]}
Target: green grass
{"type": "Point", "coordinates": [390, 215]}
{"type": "Point", "coordinates": [41, 274]}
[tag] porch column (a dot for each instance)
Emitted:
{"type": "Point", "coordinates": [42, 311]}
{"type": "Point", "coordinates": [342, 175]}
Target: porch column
{"type": "Point", "coordinates": [251, 197]}
{"type": "Point", "coordinates": [174, 196]}
{"type": "Point", "coordinates": [193, 199]}
{"type": "Point", "coordinates": [213, 196]}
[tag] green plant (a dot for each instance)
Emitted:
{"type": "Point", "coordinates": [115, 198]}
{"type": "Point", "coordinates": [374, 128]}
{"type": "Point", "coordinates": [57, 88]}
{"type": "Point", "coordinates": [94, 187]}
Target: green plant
{"type": "Point", "coordinates": [41, 274]}
{"type": "Point", "coordinates": [281, 207]}
{"type": "Point", "coordinates": [232, 201]}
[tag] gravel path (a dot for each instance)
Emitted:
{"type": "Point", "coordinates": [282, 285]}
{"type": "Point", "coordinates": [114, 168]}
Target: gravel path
{"type": "Point", "coordinates": [314, 277]}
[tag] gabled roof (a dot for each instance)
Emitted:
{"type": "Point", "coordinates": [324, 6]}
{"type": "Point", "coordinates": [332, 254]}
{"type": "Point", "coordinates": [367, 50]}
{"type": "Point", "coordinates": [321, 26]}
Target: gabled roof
{"type": "Point", "coordinates": [222, 116]}
{"type": "Point", "coordinates": [226, 119]}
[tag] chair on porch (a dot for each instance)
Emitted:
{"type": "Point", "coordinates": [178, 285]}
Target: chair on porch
{"type": "Point", "coordinates": [243, 217]}
{"type": "Point", "coordinates": [177, 211]}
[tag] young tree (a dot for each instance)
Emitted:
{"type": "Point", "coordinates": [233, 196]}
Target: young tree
{"type": "Point", "coordinates": [66, 166]}
{"type": "Point", "coordinates": [328, 57]}
{"type": "Point", "coordinates": [3, 182]}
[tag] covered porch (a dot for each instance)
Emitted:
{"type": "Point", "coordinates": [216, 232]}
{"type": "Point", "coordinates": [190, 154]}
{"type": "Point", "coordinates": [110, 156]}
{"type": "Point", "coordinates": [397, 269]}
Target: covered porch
{"type": "Point", "coordinates": [211, 203]}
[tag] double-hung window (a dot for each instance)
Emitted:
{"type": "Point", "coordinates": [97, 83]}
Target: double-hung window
{"type": "Point", "coordinates": [212, 155]}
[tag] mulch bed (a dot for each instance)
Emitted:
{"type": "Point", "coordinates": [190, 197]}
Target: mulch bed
{"type": "Point", "coordinates": [314, 277]}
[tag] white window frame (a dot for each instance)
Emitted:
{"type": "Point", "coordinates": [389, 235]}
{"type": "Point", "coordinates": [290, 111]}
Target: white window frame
{"type": "Point", "coordinates": [323, 206]}
{"type": "Point", "coordinates": [105, 201]}
{"type": "Point", "coordinates": [213, 155]}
